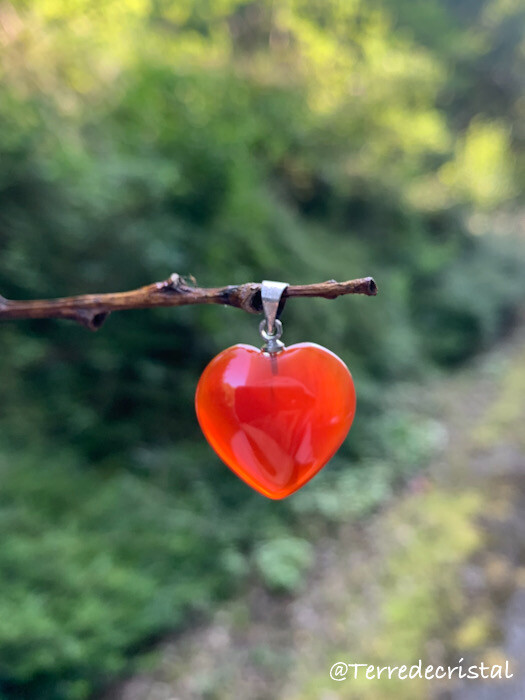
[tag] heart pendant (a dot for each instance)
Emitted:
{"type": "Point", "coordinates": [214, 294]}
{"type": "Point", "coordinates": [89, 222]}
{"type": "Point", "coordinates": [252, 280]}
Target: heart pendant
{"type": "Point", "coordinates": [276, 419]}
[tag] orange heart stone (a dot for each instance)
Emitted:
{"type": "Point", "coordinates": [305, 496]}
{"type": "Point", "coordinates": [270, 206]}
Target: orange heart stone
{"type": "Point", "coordinates": [276, 420]}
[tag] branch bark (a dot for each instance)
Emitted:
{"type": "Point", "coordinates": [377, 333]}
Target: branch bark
{"type": "Point", "coordinates": [91, 310]}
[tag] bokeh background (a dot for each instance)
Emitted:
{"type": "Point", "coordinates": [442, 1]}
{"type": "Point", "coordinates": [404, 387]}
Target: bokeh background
{"type": "Point", "coordinates": [231, 141]}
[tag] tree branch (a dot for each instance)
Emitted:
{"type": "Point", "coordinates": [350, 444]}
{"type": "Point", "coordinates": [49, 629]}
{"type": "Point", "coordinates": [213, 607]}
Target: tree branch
{"type": "Point", "coordinates": [91, 310]}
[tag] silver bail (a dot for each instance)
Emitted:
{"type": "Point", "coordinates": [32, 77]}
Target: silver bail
{"type": "Point", "coordinates": [271, 293]}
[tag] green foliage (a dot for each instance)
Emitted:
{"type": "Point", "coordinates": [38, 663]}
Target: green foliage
{"type": "Point", "coordinates": [92, 568]}
{"type": "Point", "coordinates": [282, 562]}
{"type": "Point", "coordinates": [230, 141]}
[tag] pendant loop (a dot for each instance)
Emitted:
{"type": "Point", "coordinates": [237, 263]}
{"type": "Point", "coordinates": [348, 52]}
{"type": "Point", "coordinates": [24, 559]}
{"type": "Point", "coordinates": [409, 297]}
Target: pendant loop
{"type": "Point", "coordinates": [271, 293]}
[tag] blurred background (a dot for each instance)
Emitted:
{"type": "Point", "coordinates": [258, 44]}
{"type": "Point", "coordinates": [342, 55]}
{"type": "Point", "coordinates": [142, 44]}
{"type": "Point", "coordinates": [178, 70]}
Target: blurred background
{"type": "Point", "coordinates": [231, 141]}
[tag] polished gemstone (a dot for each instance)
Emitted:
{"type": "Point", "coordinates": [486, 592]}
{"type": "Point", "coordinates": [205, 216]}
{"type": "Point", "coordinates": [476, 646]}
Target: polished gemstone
{"type": "Point", "coordinates": [276, 420]}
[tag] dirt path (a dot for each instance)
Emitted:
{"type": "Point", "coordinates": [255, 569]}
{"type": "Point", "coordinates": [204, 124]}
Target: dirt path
{"type": "Point", "coordinates": [438, 574]}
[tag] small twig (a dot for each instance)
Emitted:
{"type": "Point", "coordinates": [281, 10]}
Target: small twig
{"type": "Point", "coordinates": [91, 310]}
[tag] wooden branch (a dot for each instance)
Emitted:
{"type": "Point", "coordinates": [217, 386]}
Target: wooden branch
{"type": "Point", "coordinates": [91, 310]}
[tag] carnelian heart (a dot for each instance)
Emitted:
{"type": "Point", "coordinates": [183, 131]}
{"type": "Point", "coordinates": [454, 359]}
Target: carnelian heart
{"type": "Point", "coordinates": [276, 420]}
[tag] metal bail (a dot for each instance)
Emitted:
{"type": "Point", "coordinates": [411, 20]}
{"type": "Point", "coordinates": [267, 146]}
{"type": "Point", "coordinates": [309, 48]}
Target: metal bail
{"type": "Point", "coordinates": [271, 293]}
